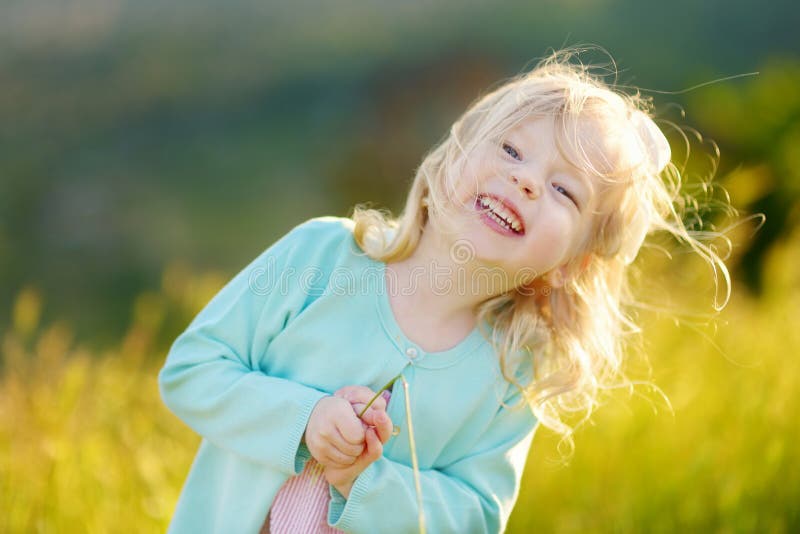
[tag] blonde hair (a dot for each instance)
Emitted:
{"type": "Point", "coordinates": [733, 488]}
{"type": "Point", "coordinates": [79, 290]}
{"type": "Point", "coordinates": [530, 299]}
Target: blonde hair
{"type": "Point", "coordinates": [574, 336]}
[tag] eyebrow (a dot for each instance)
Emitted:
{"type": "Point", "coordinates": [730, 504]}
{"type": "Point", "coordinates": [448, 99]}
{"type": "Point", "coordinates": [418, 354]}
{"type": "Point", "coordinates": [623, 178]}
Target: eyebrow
{"type": "Point", "coordinates": [584, 180]}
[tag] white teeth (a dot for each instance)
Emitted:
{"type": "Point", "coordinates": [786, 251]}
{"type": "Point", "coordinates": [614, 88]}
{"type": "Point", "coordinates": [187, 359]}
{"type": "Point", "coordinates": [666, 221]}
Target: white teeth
{"type": "Point", "coordinates": [498, 220]}
{"type": "Point", "coordinates": [501, 214]}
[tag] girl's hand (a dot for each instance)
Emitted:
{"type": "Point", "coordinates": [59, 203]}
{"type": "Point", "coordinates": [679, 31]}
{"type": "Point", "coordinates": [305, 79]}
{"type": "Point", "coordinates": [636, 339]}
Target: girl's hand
{"type": "Point", "coordinates": [378, 429]}
{"type": "Point", "coordinates": [334, 434]}
{"type": "Point", "coordinates": [359, 397]}
{"type": "Point", "coordinates": [342, 478]}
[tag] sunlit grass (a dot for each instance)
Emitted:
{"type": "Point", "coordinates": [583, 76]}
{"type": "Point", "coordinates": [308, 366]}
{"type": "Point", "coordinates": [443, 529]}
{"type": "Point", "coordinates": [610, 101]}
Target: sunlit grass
{"type": "Point", "coordinates": [726, 460]}
{"type": "Point", "coordinates": [87, 446]}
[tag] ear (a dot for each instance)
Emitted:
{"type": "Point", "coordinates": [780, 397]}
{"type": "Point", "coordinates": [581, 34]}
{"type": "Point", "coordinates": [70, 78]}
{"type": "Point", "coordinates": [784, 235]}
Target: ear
{"type": "Point", "coordinates": [557, 277]}
{"type": "Point", "coordinates": [587, 259]}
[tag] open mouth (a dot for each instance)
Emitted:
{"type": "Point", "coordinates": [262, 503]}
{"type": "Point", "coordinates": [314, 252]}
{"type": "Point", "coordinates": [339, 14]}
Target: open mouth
{"type": "Point", "coordinates": [504, 217]}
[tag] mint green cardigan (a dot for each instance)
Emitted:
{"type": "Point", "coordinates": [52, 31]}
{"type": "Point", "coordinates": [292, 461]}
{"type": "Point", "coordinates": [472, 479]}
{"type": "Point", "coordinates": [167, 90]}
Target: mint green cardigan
{"type": "Point", "coordinates": [309, 315]}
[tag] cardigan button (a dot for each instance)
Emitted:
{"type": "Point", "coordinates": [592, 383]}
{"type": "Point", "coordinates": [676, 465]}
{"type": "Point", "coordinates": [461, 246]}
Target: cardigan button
{"type": "Point", "coordinates": [411, 352]}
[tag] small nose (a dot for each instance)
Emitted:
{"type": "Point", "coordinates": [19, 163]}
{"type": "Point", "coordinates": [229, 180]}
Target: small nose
{"type": "Point", "coordinates": [528, 188]}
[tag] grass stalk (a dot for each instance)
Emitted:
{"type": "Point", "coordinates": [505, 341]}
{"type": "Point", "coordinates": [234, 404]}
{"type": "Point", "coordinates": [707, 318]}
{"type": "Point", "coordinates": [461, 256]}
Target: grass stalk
{"type": "Point", "coordinates": [388, 385]}
{"type": "Point", "coordinates": [414, 462]}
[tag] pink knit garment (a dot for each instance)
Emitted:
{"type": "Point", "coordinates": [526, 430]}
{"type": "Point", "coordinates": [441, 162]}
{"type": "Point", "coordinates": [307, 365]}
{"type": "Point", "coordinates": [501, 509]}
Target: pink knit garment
{"type": "Point", "coordinates": [301, 505]}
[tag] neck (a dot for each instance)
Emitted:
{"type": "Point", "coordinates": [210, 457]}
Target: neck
{"type": "Point", "coordinates": [433, 279]}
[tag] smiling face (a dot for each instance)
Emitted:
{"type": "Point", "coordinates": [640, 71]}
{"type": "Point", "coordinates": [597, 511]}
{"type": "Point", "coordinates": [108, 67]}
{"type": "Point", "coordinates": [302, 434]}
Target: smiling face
{"type": "Point", "coordinates": [522, 205]}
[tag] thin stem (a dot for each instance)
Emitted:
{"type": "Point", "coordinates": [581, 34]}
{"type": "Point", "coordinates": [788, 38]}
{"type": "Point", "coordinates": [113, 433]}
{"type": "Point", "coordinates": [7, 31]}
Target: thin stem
{"type": "Point", "coordinates": [378, 394]}
{"type": "Point", "coordinates": [414, 462]}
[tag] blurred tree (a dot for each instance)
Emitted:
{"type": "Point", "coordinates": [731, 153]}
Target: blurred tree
{"type": "Point", "coordinates": [758, 129]}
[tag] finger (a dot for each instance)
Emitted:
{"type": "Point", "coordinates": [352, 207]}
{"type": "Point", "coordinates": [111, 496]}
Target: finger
{"type": "Point", "coordinates": [345, 447]}
{"type": "Point", "coordinates": [344, 454]}
{"type": "Point", "coordinates": [368, 415]}
{"type": "Point", "coordinates": [381, 422]}
{"type": "Point", "coordinates": [384, 427]}
{"type": "Point", "coordinates": [374, 448]}
{"type": "Point", "coordinates": [373, 417]}
{"type": "Point", "coordinates": [336, 458]}
{"type": "Point", "coordinates": [329, 438]}
{"type": "Point", "coordinates": [350, 429]}
{"type": "Point", "coordinates": [376, 406]}
{"type": "Point", "coordinates": [358, 404]}
{"type": "Point", "coordinates": [361, 395]}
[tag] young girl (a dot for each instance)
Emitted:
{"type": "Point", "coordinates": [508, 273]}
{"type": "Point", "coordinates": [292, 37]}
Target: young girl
{"type": "Point", "coordinates": [500, 287]}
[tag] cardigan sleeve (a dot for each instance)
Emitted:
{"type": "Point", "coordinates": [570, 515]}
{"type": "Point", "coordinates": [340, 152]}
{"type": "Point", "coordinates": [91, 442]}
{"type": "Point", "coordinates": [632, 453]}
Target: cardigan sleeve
{"type": "Point", "coordinates": [211, 378]}
{"type": "Point", "coordinates": [474, 494]}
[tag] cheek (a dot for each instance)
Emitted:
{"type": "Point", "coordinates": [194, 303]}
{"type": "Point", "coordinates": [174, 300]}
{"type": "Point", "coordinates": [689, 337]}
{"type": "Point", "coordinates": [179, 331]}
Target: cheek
{"type": "Point", "coordinates": [472, 178]}
{"type": "Point", "coordinates": [554, 236]}
{"type": "Point", "coordinates": [463, 192]}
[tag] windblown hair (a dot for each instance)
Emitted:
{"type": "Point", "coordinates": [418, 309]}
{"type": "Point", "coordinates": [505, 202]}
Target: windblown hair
{"type": "Point", "coordinates": [575, 336]}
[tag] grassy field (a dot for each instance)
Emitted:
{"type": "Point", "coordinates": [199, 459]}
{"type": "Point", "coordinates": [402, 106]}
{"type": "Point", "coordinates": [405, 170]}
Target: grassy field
{"type": "Point", "coordinates": [87, 446]}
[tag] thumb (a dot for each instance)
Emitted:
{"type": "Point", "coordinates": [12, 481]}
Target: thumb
{"type": "Point", "coordinates": [372, 416]}
{"type": "Point", "coordinates": [382, 423]}
{"type": "Point", "coordinates": [374, 448]}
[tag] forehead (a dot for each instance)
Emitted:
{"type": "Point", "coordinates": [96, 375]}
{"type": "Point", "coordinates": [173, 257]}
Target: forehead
{"type": "Point", "coordinates": [594, 148]}
{"type": "Point", "coordinates": [583, 145]}
{"type": "Point", "coordinates": [596, 145]}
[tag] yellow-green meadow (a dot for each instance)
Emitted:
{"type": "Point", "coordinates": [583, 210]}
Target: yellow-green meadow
{"type": "Point", "coordinates": [87, 446]}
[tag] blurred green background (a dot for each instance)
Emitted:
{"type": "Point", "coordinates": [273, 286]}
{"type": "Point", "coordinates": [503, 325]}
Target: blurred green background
{"type": "Point", "coordinates": [148, 151]}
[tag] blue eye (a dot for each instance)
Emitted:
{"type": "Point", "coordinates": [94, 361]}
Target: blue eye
{"type": "Point", "coordinates": [566, 194]}
{"type": "Point", "coordinates": [511, 151]}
